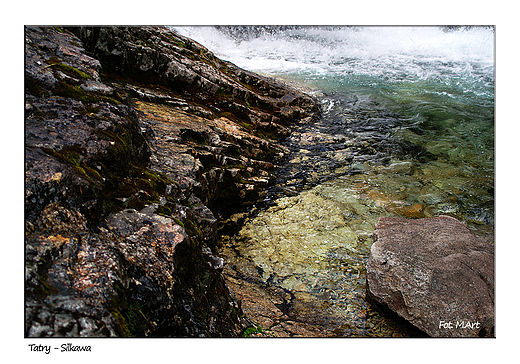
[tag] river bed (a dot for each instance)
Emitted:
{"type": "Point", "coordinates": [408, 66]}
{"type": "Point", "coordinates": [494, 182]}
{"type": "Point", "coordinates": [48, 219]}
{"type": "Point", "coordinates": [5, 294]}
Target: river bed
{"type": "Point", "coordinates": [407, 129]}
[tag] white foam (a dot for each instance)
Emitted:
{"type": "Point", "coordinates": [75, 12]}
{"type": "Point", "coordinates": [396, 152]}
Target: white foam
{"type": "Point", "coordinates": [391, 51]}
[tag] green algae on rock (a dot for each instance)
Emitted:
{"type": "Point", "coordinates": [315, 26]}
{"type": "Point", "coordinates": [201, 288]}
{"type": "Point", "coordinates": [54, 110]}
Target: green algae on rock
{"type": "Point", "coordinates": [310, 248]}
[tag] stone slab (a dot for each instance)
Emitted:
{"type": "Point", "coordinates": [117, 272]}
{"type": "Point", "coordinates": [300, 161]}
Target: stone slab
{"type": "Point", "coordinates": [435, 273]}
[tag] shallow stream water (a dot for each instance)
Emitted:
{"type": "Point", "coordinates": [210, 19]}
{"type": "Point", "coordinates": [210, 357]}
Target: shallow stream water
{"type": "Point", "coordinates": [407, 129]}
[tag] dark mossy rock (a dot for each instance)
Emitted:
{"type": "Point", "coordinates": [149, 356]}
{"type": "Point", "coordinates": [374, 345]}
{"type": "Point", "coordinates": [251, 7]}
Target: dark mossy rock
{"type": "Point", "coordinates": [135, 140]}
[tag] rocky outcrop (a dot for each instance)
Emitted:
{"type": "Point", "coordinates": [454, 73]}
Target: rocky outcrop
{"type": "Point", "coordinates": [435, 273]}
{"type": "Point", "coordinates": [187, 70]}
{"type": "Point", "coordinates": [137, 140]}
{"type": "Point", "coordinates": [240, 113]}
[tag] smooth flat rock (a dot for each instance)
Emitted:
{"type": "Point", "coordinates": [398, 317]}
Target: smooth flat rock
{"type": "Point", "coordinates": [435, 273]}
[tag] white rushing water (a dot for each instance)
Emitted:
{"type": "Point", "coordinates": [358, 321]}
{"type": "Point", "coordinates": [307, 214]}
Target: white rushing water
{"type": "Point", "coordinates": [393, 53]}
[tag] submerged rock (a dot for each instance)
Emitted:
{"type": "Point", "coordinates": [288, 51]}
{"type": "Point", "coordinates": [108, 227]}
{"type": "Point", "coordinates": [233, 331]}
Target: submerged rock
{"type": "Point", "coordinates": [435, 273]}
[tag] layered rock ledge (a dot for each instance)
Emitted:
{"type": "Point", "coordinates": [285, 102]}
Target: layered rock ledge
{"type": "Point", "coordinates": [137, 141]}
{"type": "Point", "coordinates": [435, 273]}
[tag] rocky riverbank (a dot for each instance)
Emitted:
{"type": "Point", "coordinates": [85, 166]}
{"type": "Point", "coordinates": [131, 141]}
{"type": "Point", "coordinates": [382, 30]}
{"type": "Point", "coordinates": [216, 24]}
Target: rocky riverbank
{"type": "Point", "coordinates": [137, 142]}
{"type": "Point", "coordinates": [143, 154]}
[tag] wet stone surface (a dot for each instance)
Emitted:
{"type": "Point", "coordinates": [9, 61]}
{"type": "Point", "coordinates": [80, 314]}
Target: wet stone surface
{"type": "Point", "coordinates": [124, 170]}
{"type": "Point", "coordinates": [308, 241]}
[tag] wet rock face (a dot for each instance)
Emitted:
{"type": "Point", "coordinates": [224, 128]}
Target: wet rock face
{"type": "Point", "coordinates": [79, 141]}
{"type": "Point", "coordinates": [214, 124]}
{"type": "Point", "coordinates": [435, 273]}
{"type": "Point", "coordinates": [72, 277]}
{"type": "Point", "coordinates": [133, 138]}
{"type": "Point", "coordinates": [140, 276]}
{"type": "Point", "coordinates": [158, 57]}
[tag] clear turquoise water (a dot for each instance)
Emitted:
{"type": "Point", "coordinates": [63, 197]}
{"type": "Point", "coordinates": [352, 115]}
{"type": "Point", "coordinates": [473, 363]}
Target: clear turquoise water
{"type": "Point", "coordinates": [407, 130]}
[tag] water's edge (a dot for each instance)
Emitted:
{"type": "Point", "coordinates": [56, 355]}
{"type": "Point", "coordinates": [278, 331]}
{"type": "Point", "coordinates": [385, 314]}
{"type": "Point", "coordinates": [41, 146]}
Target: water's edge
{"type": "Point", "coordinates": [306, 245]}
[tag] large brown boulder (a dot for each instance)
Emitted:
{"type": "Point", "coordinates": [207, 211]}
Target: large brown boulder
{"type": "Point", "coordinates": [435, 273]}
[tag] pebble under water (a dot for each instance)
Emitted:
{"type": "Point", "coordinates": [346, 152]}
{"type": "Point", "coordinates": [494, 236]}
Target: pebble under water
{"type": "Point", "coordinates": [407, 129]}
